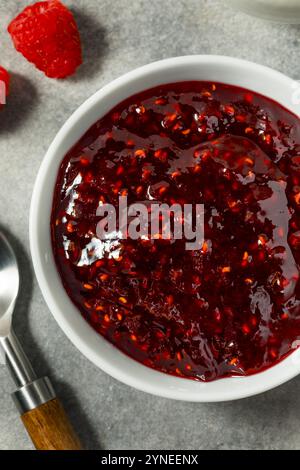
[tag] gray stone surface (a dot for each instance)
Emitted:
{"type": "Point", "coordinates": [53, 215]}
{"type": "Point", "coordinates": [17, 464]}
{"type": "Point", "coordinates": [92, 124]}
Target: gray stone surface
{"type": "Point", "coordinates": [120, 35]}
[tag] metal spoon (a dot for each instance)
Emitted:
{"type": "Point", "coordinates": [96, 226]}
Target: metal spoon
{"type": "Point", "coordinates": [35, 398]}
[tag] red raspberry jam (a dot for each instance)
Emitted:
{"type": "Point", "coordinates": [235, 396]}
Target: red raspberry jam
{"type": "Point", "coordinates": [231, 308]}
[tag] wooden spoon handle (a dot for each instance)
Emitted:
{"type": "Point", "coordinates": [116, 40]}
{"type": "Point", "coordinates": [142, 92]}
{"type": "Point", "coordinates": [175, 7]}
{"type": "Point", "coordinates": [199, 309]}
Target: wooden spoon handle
{"type": "Point", "coordinates": [49, 427]}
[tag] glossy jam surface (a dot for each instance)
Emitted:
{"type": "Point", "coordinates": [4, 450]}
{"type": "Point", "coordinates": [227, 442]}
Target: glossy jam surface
{"type": "Point", "coordinates": [230, 308]}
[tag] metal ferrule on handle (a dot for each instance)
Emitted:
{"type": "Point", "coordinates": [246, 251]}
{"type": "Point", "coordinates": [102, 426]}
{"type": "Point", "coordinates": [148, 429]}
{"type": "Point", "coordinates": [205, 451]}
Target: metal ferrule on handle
{"type": "Point", "coordinates": [32, 391]}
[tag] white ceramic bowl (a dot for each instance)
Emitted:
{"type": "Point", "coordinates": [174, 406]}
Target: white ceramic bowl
{"type": "Point", "coordinates": [92, 345]}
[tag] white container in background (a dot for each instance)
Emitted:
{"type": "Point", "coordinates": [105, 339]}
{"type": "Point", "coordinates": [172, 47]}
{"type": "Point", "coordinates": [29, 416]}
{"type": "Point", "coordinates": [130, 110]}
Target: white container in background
{"type": "Point", "coordinates": [283, 11]}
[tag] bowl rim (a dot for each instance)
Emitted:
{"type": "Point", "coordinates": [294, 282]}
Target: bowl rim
{"type": "Point", "coordinates": [122, 369]}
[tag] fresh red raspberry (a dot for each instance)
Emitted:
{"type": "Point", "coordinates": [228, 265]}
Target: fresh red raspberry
{"type": "Point", "coordinates": [47, 35]}
{"type": "Point", "coordinates": [4, 85]}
